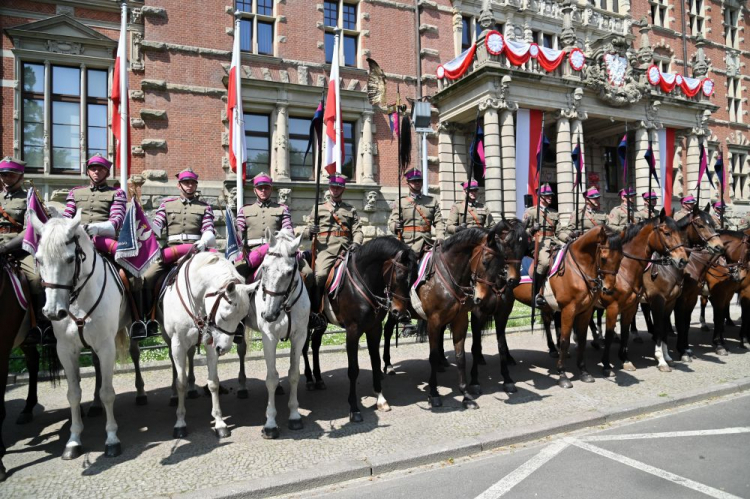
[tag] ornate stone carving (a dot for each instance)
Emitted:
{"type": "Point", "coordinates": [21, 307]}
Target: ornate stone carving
{"type": "Point", "coordinates": [652, 114]}
{"type": "Point", "coordinates": [302, 74]}
{"type": "Point", "coordinates": [457, 21]}
{"type": "Point", "coordinates": [610, 72]}
{"type": "Point", "coordinates": [574, 111]}
{"type": "Point", "coordinates": [645, 53]}
{"type": "Point", "coordinates": [135, 16]}
{"type": "Point", "coordinates": [285, 196]}
{"type": "Point", "coordinates": [486, 20]}
{"type": "Point", "coordinates": [733, 63]}
{"type": "Point", "coordinates": [61, 47]}
{"type": "Point", "coordinates": [136, 54]}
{"type": "Point", "coordinates": [700, 66]}
{"type": "Point", "coordinates": [568, 34]}
{"type": "Point", "coordinates": [370, 201]}
{"type": "Point", "coordinates": [701, 123]}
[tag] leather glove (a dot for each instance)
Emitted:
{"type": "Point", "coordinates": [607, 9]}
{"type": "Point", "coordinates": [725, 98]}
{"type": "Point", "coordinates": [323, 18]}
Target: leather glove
{"type": "Point", "coordinates": [200, 245]}
{"type": "Point", "coordinates": [399, 226]}
{"type": "Point", "coordinates": [461, 227]}
{"type": "Point", "coordinates": [314, 230]}
{"type": "Point", "coordinates": [535, 228]}
{"type": "Point", "coordinates": [92, 230]}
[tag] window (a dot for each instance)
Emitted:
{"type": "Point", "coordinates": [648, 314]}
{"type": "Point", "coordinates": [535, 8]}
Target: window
{"type": "Point", "coordinates": [659, 10]}
{"type": "Point", "coordinates": [499, 27]}
{"type": "Point", "coordinates": [258, 142]}
{"type": "Point", "coordinates": [662, 60]}
{"type": "Point", "coordinates": [32, 97]}
{"type": "Point", "coordinates": [341, 14]}
{"type": "Point", "coordinates": [731, 17]}
{"type": "Point", "coordinates": [611, 5]}
{"type": "Point", "coordinates": [96, 109]}
{"type": "Point", "coordinates": [348, 165]}
{"type": "Point", "coordinates": [299, 135]}
{"type": "Point", "coordinates": [466, 38]}
{"type": "Point", "coordinates": [546, 40]}
{"type": "Point", "coordinates": [257, 26]}
{"type": "Point", "coordinates": [739, 171]}
{"type": "Point", "coordinates": [697, 17]}
{"type": "Point", "coordinates": [734, 99]}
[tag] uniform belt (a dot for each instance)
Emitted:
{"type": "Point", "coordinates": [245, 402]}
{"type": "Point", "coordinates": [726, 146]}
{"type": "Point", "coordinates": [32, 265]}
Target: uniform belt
{"type": "Point", "coordinates": [336, 233]}
{"type": "Point", "coordinates": [184, 237]}
{"type": "Point", "coordinates": [255, 242]}
{"type": "Point", "coordinates": [9, 230]}
{"type": "Point", "coordinates": [417, 228]}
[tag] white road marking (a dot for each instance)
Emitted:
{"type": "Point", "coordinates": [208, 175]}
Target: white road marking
{"type": "Point", "coordinates": [522, 472]}
{"type": "Point", "coordinates": [666, 475]}
{"type": "Point", "coordinates": [666, 434]}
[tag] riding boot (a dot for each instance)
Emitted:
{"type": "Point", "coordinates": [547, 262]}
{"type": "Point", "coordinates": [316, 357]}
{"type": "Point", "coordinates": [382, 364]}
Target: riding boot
{"type": "Point", "coordinates": [317, 321]}
{"type": "Point", "coordinates": [149, 315]}
{"type": "Point", "coordinates": [138, 327]}
{"type": "Point", "coordinates": [538, 285]}
{"type": "Point", "coordinates": [42, 334]}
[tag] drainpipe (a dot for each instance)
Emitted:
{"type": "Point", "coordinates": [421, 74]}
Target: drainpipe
{"type": "Point", "coordinates": [421, 151]}
{"type": "Point", "coordinates": [684, 40]}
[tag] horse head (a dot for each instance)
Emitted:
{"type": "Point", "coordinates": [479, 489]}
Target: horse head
{"type": "Point", "coordinates": [226, 307]}
{"type": "Point", "coordinates": [399, 273]}
{"type": "Point", "coordinates": [64, 249]}
{"type": "Point", "coordinates": [700, 230]}
{"type": "Point", "coordinates": [515, 243]}
{"type": "Point", "coordinates": [608, 258]}
{"type": "Point", "coordinates": [488, 268]}
{"type": "Point", "coordinates": [280, 272]}
{"type": "Point", "coordinates": [669, 241]}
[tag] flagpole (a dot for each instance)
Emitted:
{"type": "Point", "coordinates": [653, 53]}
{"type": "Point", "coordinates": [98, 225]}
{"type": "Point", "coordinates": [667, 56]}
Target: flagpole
{"type": "Point", "coordinates": [537, 242]}
{"type": "Point", "coordinates": [319, 168]}
{"type": "Point", "coordinates": [700, 177]}
{"type": "Point", "coordinates": [721, 186]}
{"type": "Point", "coordinates": [453, 166]}
{"type": "Point", "coordinates": [578, 184]}
{"type": "Point", "coordinates": [471, 167]}
{"type": "Point", "coordinates": [239, 109]}
{"type": "Point", "coordinates": [650, 175]}
{"type": "Point", "coordinates": [335, 60]}
{"type": "Point", "coordinates": [398, 153]}
{"type": "Point", "coordinates": [124, 101]}
{"type": "Point", "coordinates": [629, 183]}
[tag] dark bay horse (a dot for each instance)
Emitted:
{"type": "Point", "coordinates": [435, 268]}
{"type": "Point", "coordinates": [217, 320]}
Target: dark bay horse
{"type": "Point", "coordinates": [590, 268]}
{"type": "Point", "coordinates": [376, 282]}
{"type": "Point", "coordinates": [639, 242]}
{"type": "Point", "coordinates": [468, 271]}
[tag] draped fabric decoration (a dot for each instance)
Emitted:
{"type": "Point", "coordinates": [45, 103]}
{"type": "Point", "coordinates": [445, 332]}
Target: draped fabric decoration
{"type": "Point", "coordinates": [578, 164]}
{"type": "Point", "coordinates": [666, 160]}
{"type": "Point", "coordinates": [550, 59]}
{"type": "Point", "coordinates": [649, 155]}
{"type": "Point", "coordinates": [518, 53]}
{"type": "Point", "coordinates": [529, 141]}
{"type": "Point", "coordinates": [622, 152]}
{"type": "Point", "coordinates": [456, 68]}
{"type": "Point", "coordinates": [719, 169]}
{"type": "Point", "coordinates": [703, 166]}
{"type": "Point", "coordinates": [669, 81]}
{"type": "Point", "coordinates": [476, 152]}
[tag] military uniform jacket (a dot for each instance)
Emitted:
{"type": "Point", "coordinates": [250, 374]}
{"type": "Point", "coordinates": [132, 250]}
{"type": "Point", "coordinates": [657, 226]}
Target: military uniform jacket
{"type": "Point", "coordinates": [97, 204]}
{"type": "Point", "coordinates": [14, 206]}
{"type": "Point", "coordinates": [717, 221]}
{"type": "Point", "coordinates": [589, 219]}
{"type": "Point", "coordinates": [419, 214]}
{"type": "Point", "coordinates": [184, 220]}
{"type": "Point", "coordinates": [339, 227]}
{"type": "Point", "coordinates": [549, 220]}
{"type": "Point", "coordinates": [254, 218]}
{"type": "Point", "coordinates": [477, 215]}
{"type": "Point", "coordinates": [618, 217]}
{"type": "Point", "coordinates": [682, 213]}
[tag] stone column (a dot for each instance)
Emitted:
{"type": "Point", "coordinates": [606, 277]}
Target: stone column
{"type": "Point", "coordinates": [508, 153]}
{"type": "Point", "coordinates": [692, 165]}
{"type": "Point", "coordinates": [565, 198]}
{"type": "Point", "coordinates": [493, 182]}
{"type": "Point", "coordinates": [576, 137]}
{"type": "Point", "coordinates": [457, 32]}
{"type": "Point", "coordinates": [280, 145]}
{"type": "Point", "coordinates": [656, 146]}
{"type": "Point", "coordinates": [641, 165]}
{"type": "Point", "coordinates": [452, 156]}
{"type": "Point", "coordinates": [368, 173]}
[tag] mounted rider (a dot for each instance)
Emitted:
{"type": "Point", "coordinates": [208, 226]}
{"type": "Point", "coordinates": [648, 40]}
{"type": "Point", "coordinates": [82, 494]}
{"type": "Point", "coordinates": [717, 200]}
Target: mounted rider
{"type": "Point", "coordinates": [688, 203]}
{"type": "Point", "coordinates": [544, 230]}
{"type": "Point", "coordinates": [336, 230]}
{"type": "Point", "coordinates": [620, 216]}
{"type": "Point", "coordinates": [254, 218]}
{"type": "Point", "coordinates": [649, 205]}
{"type": "Point", "coordinates": [719, 207]}
{"type": "Point", "coordinates": [478, 215]}
{"type": "Point", "coordinates": [185, 222]}
{"type": "Point", "coordinates": [591, 216]}
{"type": "Point", "coordinates": [419, 213]}
{"type": "Point", "coordinates": [12, 228]}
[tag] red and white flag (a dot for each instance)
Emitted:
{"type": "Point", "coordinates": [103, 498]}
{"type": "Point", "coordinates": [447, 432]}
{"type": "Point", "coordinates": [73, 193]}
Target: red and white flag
{"type": "Point", "coordinates": [119, 95]}
{"type": "Point", "coordinates": [237, 147]}
{"type": "Point", "coordinates": [334, 151]}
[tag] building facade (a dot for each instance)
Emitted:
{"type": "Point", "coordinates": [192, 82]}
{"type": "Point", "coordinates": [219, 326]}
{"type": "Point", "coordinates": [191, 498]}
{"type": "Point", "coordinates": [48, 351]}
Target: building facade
{"type": "Point", "coordinates": [625, 67]}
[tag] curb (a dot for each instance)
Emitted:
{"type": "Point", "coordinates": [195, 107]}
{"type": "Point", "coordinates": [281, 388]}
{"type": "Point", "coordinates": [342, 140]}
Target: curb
{"type": "Point", "coordinates": [336, 472]}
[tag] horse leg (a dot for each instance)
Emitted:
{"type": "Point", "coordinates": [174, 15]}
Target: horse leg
{"type": "Point", "coordinates": [68, 355]}
{"type": "Point", "coordinates": [308, 371]}
{"type": "Point", "coordinates": [242, 392]}
{"type": "Point", "coordinates": [32, 364]}
{"type": "Point", "coordinates": [683, 327]}
{"type": "Point", "coordinates": [477, 323]}
{"type": "Point", "coordinates": [551, 347]}
{"type": "Point", "coordinates": [661, 334]}
{"type": "Point", "coordinates": [212, 363]}
{"type": "Point", "coordinates": [718, 339]}
{"type": "Point", "coordinates": [443, 359]}
{"type": "Point", "coordinates": [728, 318]}
{"type": "Point", "coordinates": [173, 398]}
{"type": "Point", "coordinates": [295, 418]}
{"type": "Point", "coordinates": [192, 391]}
{"type": "Point", "coordinates": [112, 447]}
{"type": "Point", "coordinates": [135, 353]}
{"type": "Point", "coordinates": [390, 322]}
{"type": "Point", "coordinates": [270, 429]}
{"type": "Point", "coordinates": [459, 327]}
{"type": "Point", "coordinates": [582, 330]}
{"type": "Point", "coordinates": [646, 309]}
{"type": "Point", "coordinates": [501, 320]}
{"type": "Point", "coordinates": [609, 335]}
{"type": "Point", "coordinates": [568, 321]}
{"type": "Point", "coordinates": [352, 346]}
{"type": "Point", "coordinates": [434, 333]}
{"type": "Point", "coordinates": [317, 339]}
{"type": "Point", "coordinates": [179, 354]}
{"type": "Point", "coordinates": [373, 347]}
{"type": "Point", "coordinates": [745, 325]}
{"type": "Point", "coordinates": [704, 326]}
{"type": "Point", "coordinates": [96, 409]}
{"type": "Point", "coordinates": [596, 336]}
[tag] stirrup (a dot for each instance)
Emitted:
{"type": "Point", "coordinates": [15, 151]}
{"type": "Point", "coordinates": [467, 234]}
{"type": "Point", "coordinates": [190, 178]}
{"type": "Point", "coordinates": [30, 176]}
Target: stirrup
{"type": "Point", "coordinates": [33, 336]}
{"type": "Point", "coordinates": [153, 328]}
{"type": "Point", "coordinates": [239, 334]}
{"type": "Point", "coordinates": [317, 322]}
{"type": "Point", "coordinates": [138, 330]}
{"type": "Point", "coordinates": [540, 301]}
{"type": "Point", "coordinates": [48, 336]}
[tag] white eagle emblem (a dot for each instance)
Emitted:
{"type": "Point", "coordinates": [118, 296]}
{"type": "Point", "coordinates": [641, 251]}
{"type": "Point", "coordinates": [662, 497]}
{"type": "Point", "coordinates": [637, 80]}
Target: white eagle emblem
{"type": "Point", "coordinates": [616, 67]}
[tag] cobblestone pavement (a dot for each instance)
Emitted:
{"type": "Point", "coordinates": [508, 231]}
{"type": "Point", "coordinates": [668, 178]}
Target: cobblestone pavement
{"type": "Point", "coordinates": [154, 464]}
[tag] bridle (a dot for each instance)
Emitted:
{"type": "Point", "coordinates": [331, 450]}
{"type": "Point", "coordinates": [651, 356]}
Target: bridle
{"type": "Point", "coordinates": [593, 284]}
{"type": "Point", "coordinates": [286, 294]}
{"type": "Point", "coordinates": [378, 303]}
{"type": "Point", "coordinates": [666, 259]}
{"type": "Point", "coordinates": [205, 322]}
{"type": "Point", "coordinates": [705, 240]}
{"type": "Point", "coordinates": [465, 291]}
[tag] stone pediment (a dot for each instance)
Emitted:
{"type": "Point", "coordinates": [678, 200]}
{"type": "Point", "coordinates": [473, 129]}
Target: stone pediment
{"type": "Point", "coordinates": [61, 35]}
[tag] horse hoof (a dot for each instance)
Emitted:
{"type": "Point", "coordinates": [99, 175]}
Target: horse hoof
{"type": "Point", "coordinates": [511, 361]}
{"type": "Point", "coordinates": [113, 450]}
{"type": "Point", "coordinates": [628, 366]}
{"type": "Point", "coordinates": [270, 433]}
{"type": "Point", "coordinates": [444, 362]}
{"type": "Point", "coordinates": [554, 354]}
{"type": "Point", "coordinates": [173, 401]}
{"type": "Point", "coordinates": [95, 411]}
{"type": "Point", "coordinates": [721, 351]}
{"type": "Point", "coordinates": [72, 452]}
{"type": "Point", "coordinates": [279, 390]}
{"type": "Point", "coordinates": [607, 372]}
{"type": "Point", "coordinates": [704, 328]}
{"type": "Point", "coordinates": [469, 404]}
{"type": "Point", "coordinates": [587, 378]}
{"type": "Point", "coordinates": [474, 390]}
{"type": "Point", "coordinates": [510, 387]}
{"type": "Point", "coordinates": [665, 369]}
{"type": "Point", "coordinates": [25, 418]}
{"type": "Point", "coordinates": [310, 386]}
{"type": "Point", "coordinates": [638, 340]}
{"type": "Point", "coordinates": [355, 417]}
{"type": "Point", "coordinates": [389, 370]}
{"type": "Point", "coordinates": [435, 401]}
{"type": "Point", "coordinates": [686, 358]}
{"type": "Point", "coordinates": [3, 473]}
{"type": "Point", "coordinates": [481, 361]}
{"type": "Point", "coordinates": [384, 407]}
{"type": "Point", "coordinates": [192, 394]}
{"type": "Point", "coordinates": [295, 424]}
{"type": "Point", "coordinates": [179, 432]}
{"type": "Point", "coordinates": [141, 400]}
{"type": "Point", "coordinates": [320, 385]}
{"type": "Point", "coordinates": [565, 383]}
{"type": "Point", "coordinates": [595, 345]}
{"type": "Point", "coordinates": [223, 432]}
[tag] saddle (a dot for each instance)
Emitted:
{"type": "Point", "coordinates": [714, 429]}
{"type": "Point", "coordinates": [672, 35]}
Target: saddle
{"type": "Point", "coordinates": [335, 276]}
{"type": "Point", "coordinates": [426, 270]}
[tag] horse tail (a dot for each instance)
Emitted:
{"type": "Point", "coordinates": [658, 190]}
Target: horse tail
{"type": "Point", "coordinates": [51, 363]}
{"type": "Point", "coordinates": [122, 345]}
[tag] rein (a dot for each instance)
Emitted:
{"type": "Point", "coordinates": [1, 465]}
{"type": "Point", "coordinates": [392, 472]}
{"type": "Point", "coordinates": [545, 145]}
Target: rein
{"type": "Point", "coordinates": [666, 260]}
{"type": "Point", "coordinates": [286, 293]}
{"type": "Point", "coordinates": [377, 303]}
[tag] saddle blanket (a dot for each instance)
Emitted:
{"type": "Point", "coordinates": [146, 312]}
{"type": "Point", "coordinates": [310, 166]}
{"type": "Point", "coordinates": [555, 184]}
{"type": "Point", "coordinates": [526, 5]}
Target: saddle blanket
{"type": "Point", "coordinates": [527, 263]}
{"type": "Point", "coordinates": [416, 303]}
{"type": "Point", "coordinates": [17, 289]}
{"type": "Point", "coordinates": [338, 277]}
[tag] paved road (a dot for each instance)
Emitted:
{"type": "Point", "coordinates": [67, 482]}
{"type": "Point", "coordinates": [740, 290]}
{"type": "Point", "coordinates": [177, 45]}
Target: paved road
{"type": "Point", "coordinates": [695, 452]}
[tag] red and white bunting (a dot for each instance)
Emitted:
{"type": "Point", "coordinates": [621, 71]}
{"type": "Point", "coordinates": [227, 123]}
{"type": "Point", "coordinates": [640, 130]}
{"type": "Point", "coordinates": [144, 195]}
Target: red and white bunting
{"type": "Point", "coordinates": [669, 81]}
{"type": "Point", "coordinates": [494, 42]}
{"type": "Point", "coordinates": [119, 95]}
{"type": "Point", "coordinates": [235, 114]}
{"type": "Point", "coordinates": [518, 53]}
{"type": "Point", "coordinates": [456, 68]}
{"type": "Point", "coordinates": [577, 59]}
{"type": "Point", "coordinates": [550, 59]}
{"type": "Point", "coordinates": [708, 87]}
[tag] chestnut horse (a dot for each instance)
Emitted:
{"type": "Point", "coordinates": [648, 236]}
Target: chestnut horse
{"type": "Point", "coordinates": [590, 268]}
{"type": "Point", "coordinates": [639, 242]}
{"type": "Point", "coordinates": [376, 282]}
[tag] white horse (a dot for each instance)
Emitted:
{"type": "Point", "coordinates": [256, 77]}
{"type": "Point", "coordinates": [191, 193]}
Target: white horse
{"type": "Point", "coordinates": [86, 308]}
{"type": "Point", "coordinates": [205, 304]}
{"type": "Point", "coordinates": [280, 311]}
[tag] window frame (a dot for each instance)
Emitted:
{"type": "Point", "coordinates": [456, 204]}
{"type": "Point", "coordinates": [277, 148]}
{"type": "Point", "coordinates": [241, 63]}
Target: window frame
{"type": "Point", "coordinates": [697, 17]}
{"type": "Point", "coordinates": [255, 18]}
{"type": "Point", "coordinates": [345, 32]}
{"type": "Point", "coordinates": [353, 141]}
{"type": "Point", "coordinates": [39, 96]}
{"type": "Point", "coordinates": [660, 7]}
{"type": "Point", "coordinates": [739, 175]}
{"type": "Point", "coordinates": [731, 38]}
{"type": "Point", "coordinates": [311, 156]}
{"type": "Point", "coordinates": [734, 98]}
{"type": "Point", "coordinates": [250, 133]}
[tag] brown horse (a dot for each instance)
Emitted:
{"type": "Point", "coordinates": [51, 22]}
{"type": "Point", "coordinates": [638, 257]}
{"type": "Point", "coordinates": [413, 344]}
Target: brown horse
{"type": "Point", "coordinates": [639, 242]}
{"type": "Point", "coordinates": [376, 281]}
{"type": "Point", "coordinates": [664, 284]}
{"type": "Point", "coordinates": [590, 268]}
{"type": "Point", "coordinates": [468, 271]}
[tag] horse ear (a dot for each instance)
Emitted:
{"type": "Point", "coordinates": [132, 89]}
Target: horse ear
{"type": "Point", "coordinates": [36, 223]}
{"type": "Point", "coordinates": [708, 207]}
{"type": "Point", "coordinates": [249, 288]}
{"type": "Point", "coordinates": [295, 244]}
{"type": "Point", "coordinates": [270, 237]}
{"type": "Point", "coordinates": [662, 215]}
{"type": "Point", "coordinates": [696, 209]}
{"type": "Point", "coordinates": [231, 287]}
{"type": "Point", "coordinates": [77, 219]}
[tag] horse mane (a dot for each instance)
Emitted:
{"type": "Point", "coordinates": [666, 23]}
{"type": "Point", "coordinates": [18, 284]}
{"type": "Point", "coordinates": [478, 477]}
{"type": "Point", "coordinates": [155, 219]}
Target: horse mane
{"type": "Point", "coordinates": [221, 274]}
{"type": "Point", "coordinates": [632, 231]}
{"type": "Point", "coordinates": [730, 232]}
{"type": "Point", "coordinates": [55, 239]}
{"type": "Point", "coordinates": [385, 247]}
{"type": "Point", "coordinates": [615, 241]}
{"type": "Point", "coordinates": [685, 221]}
{"type": "Point", "coordinates": [284, 239]}
{"type": "Point", "coordinates": [470, 236]}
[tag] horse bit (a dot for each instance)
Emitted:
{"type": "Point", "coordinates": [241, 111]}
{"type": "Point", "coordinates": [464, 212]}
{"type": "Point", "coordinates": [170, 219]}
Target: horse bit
{"type": "Point", "coordinates": [379, 303]}
{"type": "Point", "coordinates": [287, 306]}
